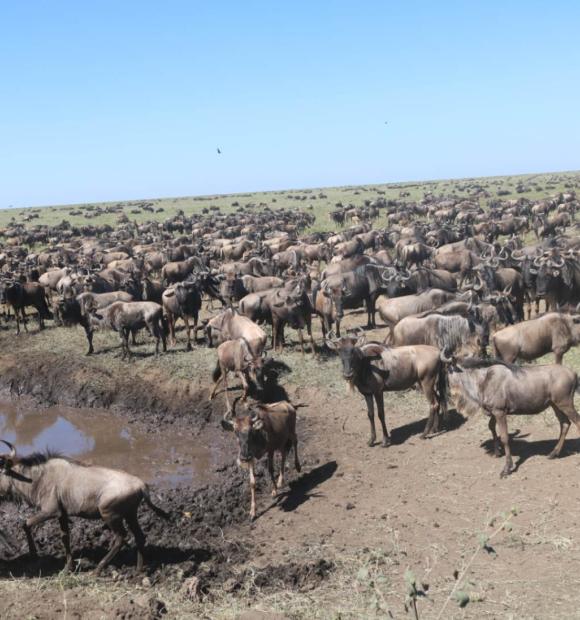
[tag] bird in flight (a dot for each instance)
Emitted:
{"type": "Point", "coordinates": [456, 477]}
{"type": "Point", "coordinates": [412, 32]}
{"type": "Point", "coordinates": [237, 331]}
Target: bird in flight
{"type": "Point", "coordinates": [219, 151]}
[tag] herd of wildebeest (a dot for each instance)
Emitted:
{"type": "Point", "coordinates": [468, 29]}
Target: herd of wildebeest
{"type": "Point", "coordinates": [462, 294]}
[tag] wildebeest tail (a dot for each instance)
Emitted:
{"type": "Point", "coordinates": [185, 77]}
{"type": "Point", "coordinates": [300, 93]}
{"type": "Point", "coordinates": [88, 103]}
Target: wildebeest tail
{"type": "Point", "coordinates": [217, 372]}
{"type": "Point", "coordinates": [442, 389]}
{"type": "Point", "coordinates": [158, 511]}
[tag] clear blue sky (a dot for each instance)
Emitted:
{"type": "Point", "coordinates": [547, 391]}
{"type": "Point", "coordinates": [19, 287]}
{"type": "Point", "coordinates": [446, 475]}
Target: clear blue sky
{"type": "Point", "coordinates": [116, 100]}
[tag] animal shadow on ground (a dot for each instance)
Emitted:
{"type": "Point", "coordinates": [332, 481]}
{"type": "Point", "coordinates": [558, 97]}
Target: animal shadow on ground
{"type": "Point", "coordinates": [86, 559]}
{"type": "Point", "coordinates": [524, 450]}
{"type": "Point", "coordinates": [401, 434]}
{"type": "Point", "coordinates": [301, 489]}
{"type": "Point", "coordinates": [272, 391]}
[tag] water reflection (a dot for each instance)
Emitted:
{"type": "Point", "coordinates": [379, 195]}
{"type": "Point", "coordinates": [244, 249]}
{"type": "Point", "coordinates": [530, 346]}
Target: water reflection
{"type": "Point", "coordinates": [100, 438]}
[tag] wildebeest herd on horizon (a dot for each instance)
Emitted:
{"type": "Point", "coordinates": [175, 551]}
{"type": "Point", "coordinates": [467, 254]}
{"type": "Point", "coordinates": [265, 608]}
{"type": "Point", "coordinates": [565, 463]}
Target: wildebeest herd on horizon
{"type": "Point", "coordinates": [466, 292]}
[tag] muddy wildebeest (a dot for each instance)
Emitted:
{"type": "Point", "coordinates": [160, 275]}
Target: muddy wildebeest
{"type": "Point", "coordinates": [267, 429]}
{"type": "Point", "coordinates": [229, 325]}
{"type": "Point", "coordinates": [376, 368]}
{"type": "Point", "coordinates": [21, 295]}
{"type": "Point", "coordinates": [124, 317]}
{"type": "Point", "coordinates": [235, 356]}
{"type": "Point", "coordinates": [502, 389]}
{"type": "Point", "coordinates": [61, 488]}
{"type": "Point", "coordinates": [553, 332]}
{"type": "Point", "coordinates": [182, 300]}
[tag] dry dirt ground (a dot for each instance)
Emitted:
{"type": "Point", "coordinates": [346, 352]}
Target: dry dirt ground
{"type": "Point", "coordinates": [352, 533]}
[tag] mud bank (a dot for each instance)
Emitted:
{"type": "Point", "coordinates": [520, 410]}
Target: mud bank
{"type": "Point", "coordinates": [147, 393]}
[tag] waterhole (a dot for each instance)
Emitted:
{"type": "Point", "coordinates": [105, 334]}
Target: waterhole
{"type": "Point", "coordinates": [100, 438]}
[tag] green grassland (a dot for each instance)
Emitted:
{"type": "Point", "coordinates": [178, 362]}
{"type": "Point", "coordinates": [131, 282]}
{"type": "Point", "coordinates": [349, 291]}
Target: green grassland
{"type": "Point", "coordinates": [319, 201]}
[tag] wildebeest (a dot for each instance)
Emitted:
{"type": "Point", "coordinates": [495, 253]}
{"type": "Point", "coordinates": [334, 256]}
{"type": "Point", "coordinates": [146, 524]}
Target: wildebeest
{"type": "Point", "coordinates": [502, 389]}
{"type": "Point", "coordinates": [376, 368]}
{"type": "Point", "coordinates": [21, 295]}
{"type": "Point", "coordinates": [264, 429]}
{"type": "Point", "coordinates": [235, 356]}
{"type": "Point", "coordinates": [552, 332]}
{"type": "Point", "coordinates": [124, 317]}
{"type": "Point", "coordinates": [229, 325]}
{"type": "Point", "coordinates": [61, 488]}
{"type": "Point", "coordinates": [182, 300]}
{"type": "Point", "coordinates": [393, 310]}
{"type": "Point", "coordinates": [457, 333]}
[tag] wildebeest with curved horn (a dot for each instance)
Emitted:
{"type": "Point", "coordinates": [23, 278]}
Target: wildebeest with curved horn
{"type": "Point", "coordinates": [375, 368]}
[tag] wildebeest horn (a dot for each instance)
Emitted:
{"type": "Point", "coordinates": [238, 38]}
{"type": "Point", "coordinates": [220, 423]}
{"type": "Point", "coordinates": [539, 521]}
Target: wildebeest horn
{"type": "Point", "coordinates": [445, 356]}
{"type": "Point", "coordinates": [478, 287]}
{"type": "Point", "coordinates": [538, 261]}
{"type": "Point", "coordinates": [12, 454]}
{"type": "Point", "coordinates": [518, 255]}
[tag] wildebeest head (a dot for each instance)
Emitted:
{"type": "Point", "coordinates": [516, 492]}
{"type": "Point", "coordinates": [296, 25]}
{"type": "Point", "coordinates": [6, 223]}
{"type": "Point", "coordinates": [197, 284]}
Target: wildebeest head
{"type": "Point", "coordinates": [336, 294]}
{"type": "Point", "coordinates": [250, 434]}
{"type": "Point", "coordinates": [349, 351]}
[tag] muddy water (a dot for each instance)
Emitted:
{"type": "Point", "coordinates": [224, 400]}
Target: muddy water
{"type": "Point", "coordinates": [101, 438]}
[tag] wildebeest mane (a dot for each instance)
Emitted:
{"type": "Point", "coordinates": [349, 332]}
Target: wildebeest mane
{"type": "Point", "coordinates": [40, 458]}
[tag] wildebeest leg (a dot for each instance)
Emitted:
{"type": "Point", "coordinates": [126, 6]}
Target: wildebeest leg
{"type": "Point", "coordinates": [89, 334]}
{"type": "Point", "coordinates": [119, 533]}
{"type": "Point", "coordinates": [134, 337]}
{"type": "Point", "coordinates": [137, 532]}
{"type": "Point", "coordinates": [17, 321]}
{"type": "Point", "coordinates": [271, 472]}
{"type": "Point", "coordinates": [432, 426]}
{"type": "Point", "coordinates": [368, 306]}
{"type": "Point", "coordinates": [65, 529]}
{"type": "Point", "coordinates": [296, 461]}
{"type": "Point", "coordinates": [564, 427]}
{"type": "Point", "coordinates": [188, 331]}
{"type": "Point", "coordinates": [171, 322]}
{"type": "Point", "coordinates": [379, 397]}
{"type": "Point", "coordinates": [337, 327]}
{"type": "Point", "coordinates": [252, 492]}
{"type": "Point", "coordinates": [23, 311]}
{"type": "Point", "coordinates": [245, 384]}
{"type": "Point", "coordinates": [495, 438]}
{"type": "Point", "coordinates": [371, 415]}
{"type": "Point", "coordinates": [226, 388]}
{"type": "Point", "coordinates": [501, 420]}
{"type": "Point", "coordinates": [559, 354]}
{"type": "Point", "coordinates": [301, 338]}
{"type": "Point", "coordinates": [31, 522]}
{"type": "Point", "coordinates": [281, 482]}
{"type": "Point", "coordinates": [309, 330]}
{"type": "Point", "coordinates": [155, 330]}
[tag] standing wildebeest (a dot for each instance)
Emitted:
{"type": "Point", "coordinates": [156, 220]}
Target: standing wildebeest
{"type": "Point", "coordinates": [552, 332]}
{"type": "Point", "coordinates": [124, 317]}
{"type": "Point", "coordinates": [457, 333]}
{"type": "Point", "coordinates": [393, 310]}
{"type": "Point", "coordinates": [235, 356]}
{"type": "Point", "coordinates": [268, 429]}
{"type": "Point", "coordinates": [61, 488]}
{"type": "Point", "coordinates": [183, 300]}
{"type": "Point", "coordinates": [502, 389]}
{"type": "Point", "coordinates": [76, 310]}
{"type": "Point", "coordinates": [376, 368]}
{"type": "Point", "coordinates": [151, 290]}
{"type": "Point", "coordinates": [19, 295]}
{"type": "Point", "coordinates": [229, 325]}
{"type": "Point", "coordinates": [179, 270]}
{"type": "Point", "coordinates": [290, 307]}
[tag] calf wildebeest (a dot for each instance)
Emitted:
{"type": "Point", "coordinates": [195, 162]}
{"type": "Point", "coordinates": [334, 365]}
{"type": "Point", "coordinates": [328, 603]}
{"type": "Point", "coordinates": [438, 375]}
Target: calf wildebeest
{"type": "Point", "coordinates": [502, 389]}
{"type": "Point", "coordinates": [235, 356]}
{"type": "Point", "coordinates": [183, 300]}
{"type": "Point", "coordinates": [124, 317]}
{"type": "Point", "coordinates": [376, 368]}
{"type": "Point", "coordinates": [264, 430]}
{"type": "Point", "coordinates": [553, 332]}
{"type": "Point", "coordinates": [229, 325]}
{"type": "Point", "coordinates": [21, 295]}
{"type": "Point", "coordinates": [61, 488]}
